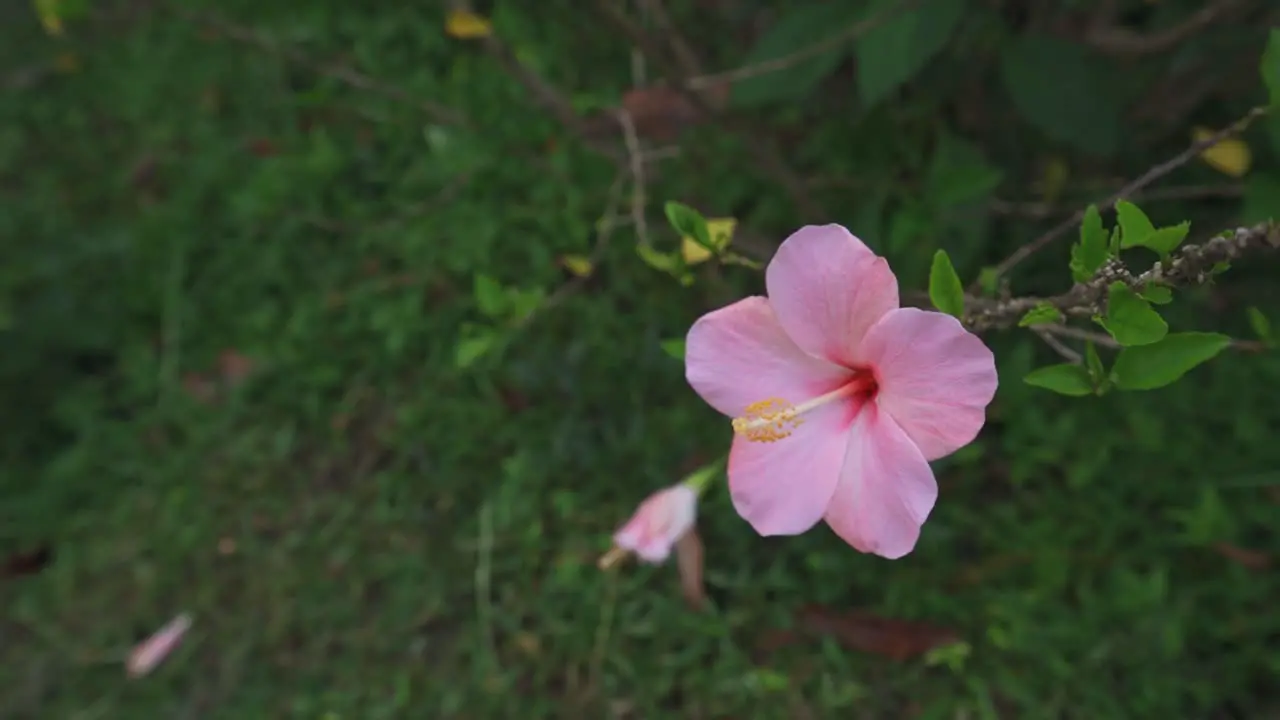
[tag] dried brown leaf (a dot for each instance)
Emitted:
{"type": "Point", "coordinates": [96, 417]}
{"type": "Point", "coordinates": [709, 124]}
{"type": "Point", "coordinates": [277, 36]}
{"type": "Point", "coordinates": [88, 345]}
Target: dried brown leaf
{"type": "Point", "coordinates": [29, 562]}
{"type": "Point", "coordinates": [689, 553]}
{"type": "Point", "coordinates": [1252, 559]}
{"type": "Point", "coordinates": [866, 631]}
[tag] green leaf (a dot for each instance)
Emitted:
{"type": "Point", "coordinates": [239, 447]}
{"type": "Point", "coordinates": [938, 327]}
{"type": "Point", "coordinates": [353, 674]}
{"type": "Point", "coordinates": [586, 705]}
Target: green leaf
{"type": "Point", "coordinates": [674, 347]}
{"type": "Point", "coordinates": [1113, 245]}
{"type": "Point", "coordinates": [1270, 67]}
{"type": "Point", "coordinates": [471, 349]}
{"type": "Point", "coordinates": [1063, 90]}
{"type": "Point", "coordinates": [1153, 366]}
{"type": "Point", "coordinates": [945, 289]}
{"type": "Point", "coordinates": [489, 295]}
{"type": "Point", "coordinates": [525, 302]}
{"type": "Point", "coordinates": [1042, 314]}
{"type": "Point", "coordinates": [1130, 319]}
{"type": "Point", "coordinates": [1260, 324]}
{"type": "Point", "coordinates": [1135, 227]}
{"type": "Point", "coordinates": [797, 29]}
{"type": "Point", "coordinates": [689, 223]}
{"type": "Point", "coordinates": [1097, 371]}
{"type": "Point", "coordinates": [1167, 239]}
{"type": "Point", "coordinates": [959, 174]}
{"type": "Point", "coordinates": [1261, 199]}
{"type": "Point", "coordinates": [1158, 294]}
{"type": "Point", "coordinates": [1136, 230]}
{"type": "Point", "coordinates": [894, 51]}
{"type": "Point", "coordinates": [1090, 254]}
{"type": "Point", "coordinates": [1064, 379]}
{"type": "Point", "coordinates": [989, 279]}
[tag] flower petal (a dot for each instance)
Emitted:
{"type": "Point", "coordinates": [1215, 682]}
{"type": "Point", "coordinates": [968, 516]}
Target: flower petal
{"type": "Point", "coordinates": [827, 288]}
{"type": "Point", "coordinates": [784, 487]}
{"type": "Point", "coordinates": [739, 355]}
{"type": "Point", "coordinates": [936, 378]}
{"type": "Point", "coordinates": [662, 519]}
{"type": "Point", "coordinates": [886, 488]}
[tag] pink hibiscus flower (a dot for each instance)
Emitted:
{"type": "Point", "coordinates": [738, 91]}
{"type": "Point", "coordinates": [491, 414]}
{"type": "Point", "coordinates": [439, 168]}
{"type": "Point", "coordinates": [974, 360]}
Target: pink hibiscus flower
{"type": "Point", "coordinates": [839, 397]}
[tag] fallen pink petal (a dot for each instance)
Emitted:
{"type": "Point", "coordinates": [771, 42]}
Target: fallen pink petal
{"type": "Point", "coordinates": [661, 520]}
{"type": "Point", "coordinates": [839, 397]}
{"type": "Point", "coordinates": [152, 651]}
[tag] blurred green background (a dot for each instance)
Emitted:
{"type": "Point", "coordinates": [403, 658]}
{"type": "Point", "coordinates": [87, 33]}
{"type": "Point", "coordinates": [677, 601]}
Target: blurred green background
{"type": "Point", "coordinates": [291, 343]}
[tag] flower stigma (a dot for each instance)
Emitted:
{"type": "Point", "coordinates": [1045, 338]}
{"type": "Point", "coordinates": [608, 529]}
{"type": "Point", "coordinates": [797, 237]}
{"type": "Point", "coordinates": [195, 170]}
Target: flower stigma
{"type": "Point", "coordinates": [775, 419]}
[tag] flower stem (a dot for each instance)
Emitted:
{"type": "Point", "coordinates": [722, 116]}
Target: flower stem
{"type": "Point", "coordinates": [699, 479]}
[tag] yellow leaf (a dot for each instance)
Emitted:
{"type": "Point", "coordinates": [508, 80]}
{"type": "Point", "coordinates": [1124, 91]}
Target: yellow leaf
{"type": "Point", "coordinates": [50, 18]}
{"type": "Point", "coordinates": [1229, 157]}
{"type": "Point", "coordinates": [67, 63]}
{"type": "Point", "coordinates": [693, 252]}
{"type": "Point", "coordinates": [467, 25]}
{"type": "Point", "coordinates": [1054, 180]}
{"type": "Point", "coordinates": [721, 232]}
{"type": "Point", "coordinates": [579, 265]}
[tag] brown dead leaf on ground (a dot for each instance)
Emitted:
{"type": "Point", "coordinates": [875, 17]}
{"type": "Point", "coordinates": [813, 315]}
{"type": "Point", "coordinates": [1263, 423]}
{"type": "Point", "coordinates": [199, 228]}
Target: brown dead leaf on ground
{"type": "Point", "coordinates": [1252, 559]}
{"type": "Point", "coordinates": [864, 631]}
{"type": "Point", "coordinates": [28, 562]}
{"type": "Point", "coordinates": [262, 147]}
{"type": "Point", "coordinates": [689, 553]}
{"type": "Point", "coordinates": [232, 369]}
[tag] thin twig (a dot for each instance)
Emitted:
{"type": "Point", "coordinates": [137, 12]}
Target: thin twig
{"type": "Point", "coordinates": [1150, 176]}
{"type": "Point", "coordinates": [1041, 210]}
{"type": "Point", "coordinates": [1067, 353]}
{"type": "Point", "coordinates": [822, 47]}
{"type": "Point", "coordinates": [350, 76]}
{"type": "Point", "coordinates": [1191, 265]}
{"type": "Point", "coordinates": [636, 161]}
{"type": "Point", "coordinates": [688, 59]}
{"type": "Point", "coordinates": [764, 151]}
{"type": "Point", "coordinates": [604, 233]}
{"type": "Point", "coordinates": [1119, 41]}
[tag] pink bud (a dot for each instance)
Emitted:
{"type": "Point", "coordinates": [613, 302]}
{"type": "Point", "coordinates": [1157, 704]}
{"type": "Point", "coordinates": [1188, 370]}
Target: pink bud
{"type": "Point", "coordinates": [661, 520]}
{"type": "Point", "coordinates": [150, 652]}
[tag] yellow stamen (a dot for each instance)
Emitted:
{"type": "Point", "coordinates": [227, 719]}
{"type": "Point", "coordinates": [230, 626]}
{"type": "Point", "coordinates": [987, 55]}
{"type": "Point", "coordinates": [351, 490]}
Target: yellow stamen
{"type": "Point", "coordinates": [767, 421]}
{"type": "Point", "coordinates": [775, 419]}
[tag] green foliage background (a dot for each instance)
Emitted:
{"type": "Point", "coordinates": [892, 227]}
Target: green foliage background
{"type": "Point", "coordinates": [366, 529]}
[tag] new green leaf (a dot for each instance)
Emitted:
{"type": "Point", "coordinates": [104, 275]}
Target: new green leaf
{"type": "Point", "coordinates": [1261, 195]}
{"type": "Point", "coordinates": [471, 349]}
{"type": "Point", "coordinates": [1090, 254]}
{"type": "Point", "coordinates": [1270, 67]}
{"type": "Point", "coordinates": [689, 223]}
{"type": "Point", "coordinates": [489, 295]}
{"type": "Point", "coordinates": [1064, 379]}
{"type": "Point", "coordinates": [1148, 367]}
{"type": "Point", "coordinates": [1130, 319]}
{"type": "Point", "coordinates": [1261, 324]}
{"type": "Point", "coordinates": [1135, 227]}
{"type": "Point", "coordinates": [1042, 314]}
{"type": "Point", "coordinates": [1093, 363]}
{"type": "Point", "coordinates": [945, 289]}
{"type": "Point", "coordinates": [1158, 294]}
{"type": "Point", "coordinates": [674, 347]}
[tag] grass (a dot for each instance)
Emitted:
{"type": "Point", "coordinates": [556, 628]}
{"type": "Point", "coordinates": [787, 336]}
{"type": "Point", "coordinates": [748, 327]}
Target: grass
{"type": "Point", "coordinates": [363, 530]}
